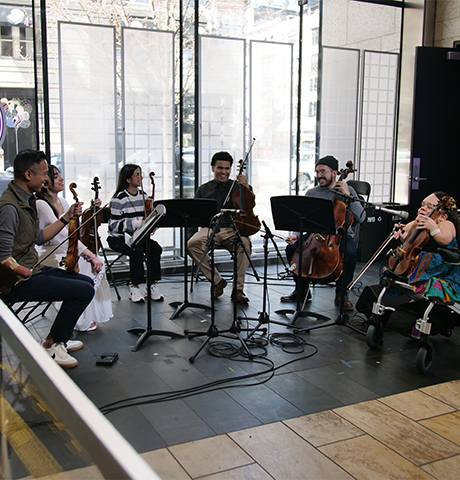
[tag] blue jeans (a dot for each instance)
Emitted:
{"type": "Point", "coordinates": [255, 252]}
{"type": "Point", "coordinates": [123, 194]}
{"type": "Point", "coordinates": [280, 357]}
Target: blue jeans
{"type": "Point", "coordinates": [75, 291]}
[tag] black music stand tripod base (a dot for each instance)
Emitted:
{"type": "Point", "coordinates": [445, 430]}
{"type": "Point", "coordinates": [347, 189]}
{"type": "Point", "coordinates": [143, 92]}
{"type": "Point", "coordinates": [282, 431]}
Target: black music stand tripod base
{"type": "Point", "coordinates": [143, 234]}
{"type": "Point", "coordinates": [213, 330]}
{"type": "Point", "coordinates": [145, 333]}
{"type": "Point", "coordinates": [302, 214]}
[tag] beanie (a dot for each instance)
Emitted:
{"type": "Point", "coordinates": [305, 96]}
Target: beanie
{"type": "Point", "coordinates": [330, 161]}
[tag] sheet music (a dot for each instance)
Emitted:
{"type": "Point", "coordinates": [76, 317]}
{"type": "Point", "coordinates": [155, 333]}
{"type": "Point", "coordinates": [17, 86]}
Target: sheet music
{"type": "Point", "coordinates": [149, 224]}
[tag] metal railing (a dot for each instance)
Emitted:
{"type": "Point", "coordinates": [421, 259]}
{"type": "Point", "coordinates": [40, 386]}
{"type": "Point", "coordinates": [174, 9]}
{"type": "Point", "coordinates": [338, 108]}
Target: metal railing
{"type": "Point", "coordinates": [110, 452]}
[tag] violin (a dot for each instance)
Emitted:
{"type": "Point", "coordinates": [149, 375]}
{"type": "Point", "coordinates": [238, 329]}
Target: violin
{"type": "Point", "coordinates": [403, 258]}
{"type": "Point", "coordinates": [150, 200]}
{"type": "Point", "coordinates": [243, 199]}
{"type": "Point", "coordinates": [71, 259]}
{"type": "Point", "coordinates": [322, 258]}
{"type": "Point", "coordinates": [89, 235]}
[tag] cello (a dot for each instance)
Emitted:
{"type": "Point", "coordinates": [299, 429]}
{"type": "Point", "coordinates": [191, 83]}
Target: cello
{"type": "Point", "coordinates": [322, 258]}
{"type": "Point", "coordinates": [70, 261]}
{"type": "Point", "coordinates": [89, 235]}
{"type": "Point", "coordinates": [243, 199]}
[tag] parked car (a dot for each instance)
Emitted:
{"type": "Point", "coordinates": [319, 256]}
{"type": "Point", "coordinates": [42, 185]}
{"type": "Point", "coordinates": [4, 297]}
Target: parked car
{"type": "Point", "coordinates": [5, 178]}
{"type": "Point", "coordinates": [188, 171]}
{"type": "Point", "coordinates": [306, 168]}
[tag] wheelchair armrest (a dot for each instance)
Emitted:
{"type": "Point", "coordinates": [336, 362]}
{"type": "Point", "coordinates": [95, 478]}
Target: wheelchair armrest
{"type": "Point", "coordinates": [449, 255]}
{"type": "Point", "coordinates": [389, 277]}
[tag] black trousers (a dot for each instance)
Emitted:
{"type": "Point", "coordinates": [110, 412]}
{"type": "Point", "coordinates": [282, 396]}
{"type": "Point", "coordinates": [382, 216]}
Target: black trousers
{"type": "Point", "coordinates": [74, 290]}
{"type": "Point", "coordinates": [349, 264]}
{"type": "Point", "coordinates": [137, 255]}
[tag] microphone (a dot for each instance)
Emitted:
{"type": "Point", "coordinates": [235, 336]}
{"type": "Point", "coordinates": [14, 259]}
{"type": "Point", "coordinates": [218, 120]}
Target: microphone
{"type": "Point", "coordinates": [231, 210]}
{"type": "Point", "coordinates": [398, 213]}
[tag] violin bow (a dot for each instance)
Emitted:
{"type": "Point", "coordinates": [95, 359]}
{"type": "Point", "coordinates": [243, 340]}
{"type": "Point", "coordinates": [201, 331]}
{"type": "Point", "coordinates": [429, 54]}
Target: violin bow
{"type": "Point", "coordinates": [242, 164]}
{"type": "Point", "coordinates": [67, 238]}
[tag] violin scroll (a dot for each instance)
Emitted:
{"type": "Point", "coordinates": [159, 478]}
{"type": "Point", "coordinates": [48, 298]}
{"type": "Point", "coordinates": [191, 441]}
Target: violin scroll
{"type": "Point", "coordinates": [89, 235]}
{"type": "Point", "coordinates": [149, 201]}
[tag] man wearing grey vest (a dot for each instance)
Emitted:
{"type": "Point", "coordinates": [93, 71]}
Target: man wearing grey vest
{"type": "Point", "coordinates": [21, 278]}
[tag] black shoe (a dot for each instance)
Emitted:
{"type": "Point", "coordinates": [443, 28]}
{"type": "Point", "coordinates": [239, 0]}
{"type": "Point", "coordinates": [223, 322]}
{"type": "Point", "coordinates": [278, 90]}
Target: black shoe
{"type": "Point", "coordinates": [240, 297]}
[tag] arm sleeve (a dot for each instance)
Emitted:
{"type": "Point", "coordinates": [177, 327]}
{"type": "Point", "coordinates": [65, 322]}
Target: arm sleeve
{"type": "Point", "coordinates": [9, 221]}
{"type": "Point", "coordinates": [46, 217]}
{"type": "Point", "coordinates": [359, 214]}
{"type": "Point", "coordinates": [116, 222]}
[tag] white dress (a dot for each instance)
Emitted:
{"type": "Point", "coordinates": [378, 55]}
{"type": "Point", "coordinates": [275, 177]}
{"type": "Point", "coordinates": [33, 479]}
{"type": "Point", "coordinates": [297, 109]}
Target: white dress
{"type": "Point", "coordinates": [100, 308]}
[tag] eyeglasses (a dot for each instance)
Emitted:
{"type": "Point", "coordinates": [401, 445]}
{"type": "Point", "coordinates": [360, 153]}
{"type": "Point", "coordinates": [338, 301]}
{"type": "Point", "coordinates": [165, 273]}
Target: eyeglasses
{"type": "Point", "coordinates": [321, 172]}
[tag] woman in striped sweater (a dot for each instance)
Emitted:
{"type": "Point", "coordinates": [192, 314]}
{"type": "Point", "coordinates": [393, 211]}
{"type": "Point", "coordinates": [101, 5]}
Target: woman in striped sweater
{"type": "Point", "coordinates": [127, 214]}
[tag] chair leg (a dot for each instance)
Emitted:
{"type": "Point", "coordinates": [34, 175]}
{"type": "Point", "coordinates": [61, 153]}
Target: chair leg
{"type": "Point", "coordinates": [108, 267]}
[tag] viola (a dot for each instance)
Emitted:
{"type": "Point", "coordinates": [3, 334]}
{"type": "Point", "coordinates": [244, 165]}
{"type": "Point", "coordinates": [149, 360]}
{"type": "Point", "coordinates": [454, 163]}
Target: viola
{"type": "Point", "coordinates": [89, 235]}
{"type": "Point", "coordinates": [149, 201]}
{"type": "Point", "coordinates": [403, 258]}
{"type": "Point", "coordinates": [243, 199]}
{"type": "Point", "coordinates": [322, 258]}
{"type": "Point", "coordinates": [71, 259]}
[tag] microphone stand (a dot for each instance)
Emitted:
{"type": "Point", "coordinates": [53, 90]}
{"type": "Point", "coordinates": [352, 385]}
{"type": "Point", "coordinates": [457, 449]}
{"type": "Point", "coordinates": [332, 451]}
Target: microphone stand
{"type": "Point", "coordinates": [264, 317]}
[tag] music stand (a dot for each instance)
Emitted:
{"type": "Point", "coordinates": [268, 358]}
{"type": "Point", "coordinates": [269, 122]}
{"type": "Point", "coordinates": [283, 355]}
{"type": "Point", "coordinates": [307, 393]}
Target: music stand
{"type": "Point", "coordinates": [302, 214]}
{"type": "Point", "coordinates": [143, 234]}
{"type": "Point", "coordinates": [184, 213]}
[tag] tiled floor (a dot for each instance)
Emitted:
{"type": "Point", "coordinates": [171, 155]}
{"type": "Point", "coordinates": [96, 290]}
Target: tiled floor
{"type": "Point", "coordinates": [333, 410]}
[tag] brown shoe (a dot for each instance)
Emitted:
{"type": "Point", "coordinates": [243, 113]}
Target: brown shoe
{"type": "Point", "coordinates": [219, 288]}
{"type": "Point", "coordinates": [347, 305]}
{"type": "Point", "coordinates": [292, 297]}
{"type": "Point", "coordinates": [240, 296]}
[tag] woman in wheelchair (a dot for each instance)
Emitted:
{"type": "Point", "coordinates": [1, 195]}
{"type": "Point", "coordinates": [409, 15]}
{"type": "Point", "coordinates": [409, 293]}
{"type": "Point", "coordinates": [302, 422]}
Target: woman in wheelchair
{"type": "Point", "coordinates": [428, 292]}
{"type": "Point", "coordinates": [433, 276]}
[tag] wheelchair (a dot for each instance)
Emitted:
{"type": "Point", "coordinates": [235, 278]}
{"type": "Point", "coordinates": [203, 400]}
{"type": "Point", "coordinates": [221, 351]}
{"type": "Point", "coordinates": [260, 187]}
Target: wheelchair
{"type": "Point", "coordinates": [431, 315]}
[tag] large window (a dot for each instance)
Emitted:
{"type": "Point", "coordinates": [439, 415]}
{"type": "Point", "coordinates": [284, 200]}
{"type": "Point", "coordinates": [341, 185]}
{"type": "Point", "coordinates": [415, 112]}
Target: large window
{"type": "Point", "coordinates": [127, 87]}
{"type": "Point", "coordinates": [359, 89]}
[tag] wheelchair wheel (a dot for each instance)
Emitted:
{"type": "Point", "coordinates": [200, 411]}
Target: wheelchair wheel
{"type": "Point", "coordinates": [374, 335]}
{"type": "Point", "coordinates": [424, 358]}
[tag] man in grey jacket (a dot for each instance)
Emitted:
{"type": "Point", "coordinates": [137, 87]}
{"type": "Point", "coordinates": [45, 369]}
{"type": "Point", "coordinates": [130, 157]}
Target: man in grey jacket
{"type": "Point", "coordinates": [326, 174]}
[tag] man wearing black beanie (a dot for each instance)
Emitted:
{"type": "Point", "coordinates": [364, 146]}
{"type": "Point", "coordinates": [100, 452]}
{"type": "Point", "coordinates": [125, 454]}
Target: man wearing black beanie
{"type": "Point", "coordinates": [326, 170]}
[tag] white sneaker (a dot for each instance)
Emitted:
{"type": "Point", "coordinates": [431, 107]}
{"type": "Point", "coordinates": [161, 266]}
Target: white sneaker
{"type": "Point", "coordinates": [135, 294]}
{"type": "Point", "coordinates": [59, 354]}
{"type": "Point", "coordinates": [155, 293]}
{"type": "Point", "coordinates": [73, 345]}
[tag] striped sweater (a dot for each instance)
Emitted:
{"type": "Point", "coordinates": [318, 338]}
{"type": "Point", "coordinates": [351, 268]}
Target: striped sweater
{"type": "Point", "coordinates": [126, 213]}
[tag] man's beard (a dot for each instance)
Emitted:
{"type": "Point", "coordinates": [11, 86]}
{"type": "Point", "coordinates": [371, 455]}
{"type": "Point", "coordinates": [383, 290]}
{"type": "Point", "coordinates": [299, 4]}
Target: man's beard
{"type": "Point", "coordinates": [325, 185]}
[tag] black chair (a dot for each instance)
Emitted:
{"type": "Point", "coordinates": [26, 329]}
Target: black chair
{"type": "Point", "coordinates": [109, 264]}
{"type": "Point", "coordinates": [363, 189]}
{"type": "Point", "coordinates": [29, 309]}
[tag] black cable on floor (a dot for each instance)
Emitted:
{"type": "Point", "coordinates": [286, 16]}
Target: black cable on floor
{"type": "Point", "coordinates": [289, 342]}
{"type": "Point", "coordinates": [206, 388]}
